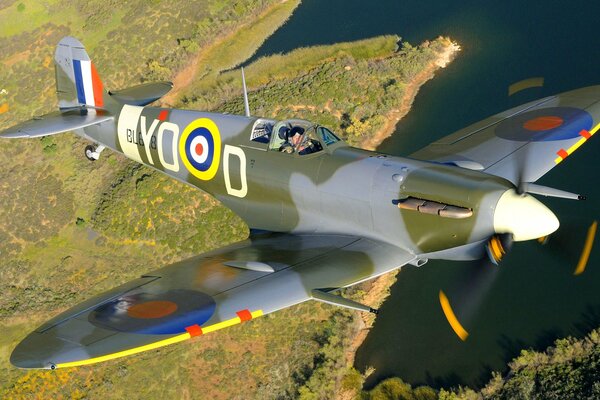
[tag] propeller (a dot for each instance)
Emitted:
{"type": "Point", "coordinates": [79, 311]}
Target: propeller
{"type": "Point", "coordinates": [573, 245]}
{"type": "Point", "coordinates": [461, 303]}
{"type": "Point", "coordinates": [477, 278]}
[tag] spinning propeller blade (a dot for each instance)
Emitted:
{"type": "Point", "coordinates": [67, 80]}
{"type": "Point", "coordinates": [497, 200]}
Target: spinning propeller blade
{"type": "Point", "coordinates": [475, 280]}
{"type": "Point", "coordinates": [478, 277]}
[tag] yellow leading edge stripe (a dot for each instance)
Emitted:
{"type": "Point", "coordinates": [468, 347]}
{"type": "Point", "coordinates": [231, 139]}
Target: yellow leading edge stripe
{"type": "Point", "coordinates": [452, 320]}
{"type": "Point", "coordinates": [160, 343]}
{"type": "Point", "coordinates": [581, 141]}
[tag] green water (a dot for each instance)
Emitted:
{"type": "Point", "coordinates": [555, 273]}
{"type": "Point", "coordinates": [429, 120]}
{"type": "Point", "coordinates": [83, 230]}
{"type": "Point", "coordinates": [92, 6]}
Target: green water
{"type": "Point", "coordinates": [534, 298]}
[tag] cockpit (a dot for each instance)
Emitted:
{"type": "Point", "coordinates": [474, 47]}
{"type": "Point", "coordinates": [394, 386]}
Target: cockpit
{"type": "Point", "coordinates": [293, 136]}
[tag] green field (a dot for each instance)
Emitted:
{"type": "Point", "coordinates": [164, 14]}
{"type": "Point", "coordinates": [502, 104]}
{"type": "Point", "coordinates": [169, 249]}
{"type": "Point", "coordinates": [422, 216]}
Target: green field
{"type": "Point", "coordinates": [71, 229]}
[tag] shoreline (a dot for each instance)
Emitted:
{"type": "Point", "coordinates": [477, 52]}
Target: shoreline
{"type": "Point", "coordinates": [378, 290]}
{"type": "Point", "coordinates": [444, 58]}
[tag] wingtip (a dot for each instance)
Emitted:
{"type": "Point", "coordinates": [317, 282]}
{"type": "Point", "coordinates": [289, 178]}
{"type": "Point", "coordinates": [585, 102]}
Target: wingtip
{"type": "Point", "coordinates": [21, 358]}
{"type": "Point", "coordinates": [43, 351]}
{"type": "Point", "coordinates": [13, 135]}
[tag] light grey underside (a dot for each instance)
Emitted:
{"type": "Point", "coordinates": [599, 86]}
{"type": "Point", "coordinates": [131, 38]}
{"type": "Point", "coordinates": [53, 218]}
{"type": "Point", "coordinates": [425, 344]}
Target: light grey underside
{"type": "Point", "coordinates": [300, 263]}
{"type": "Point", "coordinates": [56, 122]}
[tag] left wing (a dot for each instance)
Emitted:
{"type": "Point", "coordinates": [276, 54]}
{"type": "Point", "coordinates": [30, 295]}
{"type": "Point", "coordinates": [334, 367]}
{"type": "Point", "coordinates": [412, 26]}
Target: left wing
{"type": "Point", "coordinates": [524, 143]}
{"type": "Point", "coordinates": [203, 294]}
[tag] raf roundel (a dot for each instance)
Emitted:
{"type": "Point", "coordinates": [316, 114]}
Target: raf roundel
{"type": "Point", "coordinates": [200, 148]}
{"type": "Point", "coordinates": [545, 125]}
{"type": "Point", "coordinates": [165, 313]}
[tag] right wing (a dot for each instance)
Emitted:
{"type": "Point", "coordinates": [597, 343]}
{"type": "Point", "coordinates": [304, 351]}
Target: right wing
{"type": "Point", "coordinates": [524, 143]}
{"type": "Point", "coordinates": [205, 293]}
{"type": "Point", "coordinates": [56, 122]}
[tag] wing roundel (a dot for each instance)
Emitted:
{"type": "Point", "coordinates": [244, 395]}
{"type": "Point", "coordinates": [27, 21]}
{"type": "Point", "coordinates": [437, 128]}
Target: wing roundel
{"type": "Point", "coordinates": [169, 312]}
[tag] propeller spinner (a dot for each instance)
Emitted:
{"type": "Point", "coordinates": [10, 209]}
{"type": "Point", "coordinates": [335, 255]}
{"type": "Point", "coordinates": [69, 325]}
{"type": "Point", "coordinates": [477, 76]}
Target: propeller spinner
{"type": "Point", "coordinates": [523, 216]}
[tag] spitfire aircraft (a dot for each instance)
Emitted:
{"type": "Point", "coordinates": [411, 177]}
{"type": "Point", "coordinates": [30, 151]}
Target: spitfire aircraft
{"type": "Point", "coordinates": [323, 215]}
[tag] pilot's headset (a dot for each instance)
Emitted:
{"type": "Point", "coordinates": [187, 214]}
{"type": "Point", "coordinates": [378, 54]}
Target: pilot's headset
{"type": "Point", "coordinates": [283, 132]}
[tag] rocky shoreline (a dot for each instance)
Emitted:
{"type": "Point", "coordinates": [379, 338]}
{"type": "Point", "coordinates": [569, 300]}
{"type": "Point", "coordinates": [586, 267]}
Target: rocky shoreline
{"type": "Point", "coordinates": [441, 61]}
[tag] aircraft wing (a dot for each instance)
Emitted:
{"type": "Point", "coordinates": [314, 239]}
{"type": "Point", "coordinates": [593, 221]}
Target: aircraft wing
{"type": "Point", "coordinates": [56, 122]}
{"type": "Point", "coordinates": [206, 293]}
{"type": "Point", "coordinates": [524, 143]}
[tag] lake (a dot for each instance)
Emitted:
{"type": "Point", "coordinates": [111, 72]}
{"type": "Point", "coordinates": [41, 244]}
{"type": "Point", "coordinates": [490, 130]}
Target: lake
{"type": "Point", "coordinates": [533, 298]}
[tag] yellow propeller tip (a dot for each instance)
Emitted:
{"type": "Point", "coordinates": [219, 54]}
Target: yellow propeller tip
{"type": "Point", "coordinates": [451, 317]}
{"type": "Point", "coordinates": [587, 249]}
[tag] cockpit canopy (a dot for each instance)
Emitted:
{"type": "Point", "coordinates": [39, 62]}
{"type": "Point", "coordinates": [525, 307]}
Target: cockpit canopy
{"type": "Point", "coordinates": [293, 136]}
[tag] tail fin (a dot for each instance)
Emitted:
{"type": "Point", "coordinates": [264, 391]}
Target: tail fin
{"type": "Point", "coordinates": [77, 81]}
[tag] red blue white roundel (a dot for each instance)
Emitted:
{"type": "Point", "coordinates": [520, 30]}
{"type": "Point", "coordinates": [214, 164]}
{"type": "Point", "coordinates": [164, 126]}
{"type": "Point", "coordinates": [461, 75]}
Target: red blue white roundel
{"type": "Point", "coordinates": [545, 125]}
{"type": "Point", "coordinates": [200, 148]}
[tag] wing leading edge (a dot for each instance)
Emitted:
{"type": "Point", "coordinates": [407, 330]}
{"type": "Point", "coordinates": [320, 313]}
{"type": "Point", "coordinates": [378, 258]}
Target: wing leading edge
{"type": "Point", "coordinates": [204, 294]}
{"type": "Point", "coordinates": [524, 143]}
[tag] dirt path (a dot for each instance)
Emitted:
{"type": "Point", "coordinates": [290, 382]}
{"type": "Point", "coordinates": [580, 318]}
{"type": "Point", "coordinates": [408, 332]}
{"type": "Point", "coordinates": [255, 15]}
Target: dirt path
{"type": "Point", "coordinates": [190, 73]}
{"type": "Point", "coordinates": [392, 118]}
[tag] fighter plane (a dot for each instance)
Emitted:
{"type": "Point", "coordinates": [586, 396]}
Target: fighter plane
{"type": "Point", "coordinates": [323, 215]}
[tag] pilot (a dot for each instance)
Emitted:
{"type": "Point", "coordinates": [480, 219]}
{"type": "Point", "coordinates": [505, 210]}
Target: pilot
{"type": "Point", "coordinates": [296, 138]}
{"type": "Point", "coordinates": [301, 142]}
{"type": "Point", "coordinates": [295, 141]}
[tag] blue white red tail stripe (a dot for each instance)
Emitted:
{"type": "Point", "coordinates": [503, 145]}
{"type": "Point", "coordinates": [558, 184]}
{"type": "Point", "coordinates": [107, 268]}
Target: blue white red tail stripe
{"type": "Point", "coordinates": [79, 81]}
{"type": "Point", "coordinates": [89, 86]}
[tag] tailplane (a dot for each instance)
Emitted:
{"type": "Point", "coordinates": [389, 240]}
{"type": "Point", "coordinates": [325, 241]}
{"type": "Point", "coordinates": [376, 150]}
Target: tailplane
{"type": "Point", "coordinates": [82, 99]}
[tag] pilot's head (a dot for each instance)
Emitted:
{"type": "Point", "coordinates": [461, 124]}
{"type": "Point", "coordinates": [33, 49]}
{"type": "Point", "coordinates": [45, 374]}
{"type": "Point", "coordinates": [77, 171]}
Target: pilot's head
{"type": "Point", "coordinates": [296, 130]}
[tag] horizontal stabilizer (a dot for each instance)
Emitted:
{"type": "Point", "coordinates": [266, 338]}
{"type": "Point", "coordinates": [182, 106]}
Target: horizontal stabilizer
{"type": "Point", "coordinates": [143, 94]}
{"type": "Point", "coordinates": [56, 122]}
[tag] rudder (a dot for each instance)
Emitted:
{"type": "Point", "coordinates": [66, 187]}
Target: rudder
{"type": "Point", "coordinates": [77, 80]}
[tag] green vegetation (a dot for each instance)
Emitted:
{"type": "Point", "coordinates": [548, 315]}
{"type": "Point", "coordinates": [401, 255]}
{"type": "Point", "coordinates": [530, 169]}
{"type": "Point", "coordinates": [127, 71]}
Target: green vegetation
{"type": "Point", "coordinates": [395, 389]}
{"type": "Point", "coordinates": [568, 370]}
{"type": "Point", "coordinates": [130, 42]}
{"type": "Point", "coordinates": [145, 206]}
{"type": "Point", "coordinates": [350, 87]}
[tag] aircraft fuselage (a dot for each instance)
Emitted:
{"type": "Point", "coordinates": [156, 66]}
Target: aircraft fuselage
{"type": "Point", "coordinates": [339, 189]}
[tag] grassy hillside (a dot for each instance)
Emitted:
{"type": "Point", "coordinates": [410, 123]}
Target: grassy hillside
{"type": "Point", "coordinates": [71, 229]}
{"type": "Point", "coordinates": [130, 41]}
